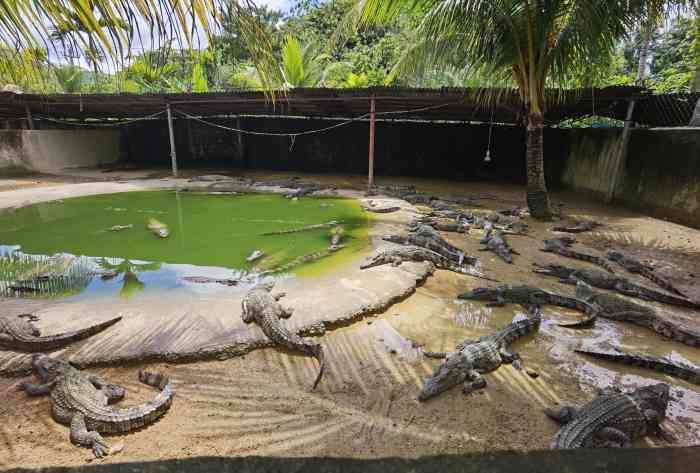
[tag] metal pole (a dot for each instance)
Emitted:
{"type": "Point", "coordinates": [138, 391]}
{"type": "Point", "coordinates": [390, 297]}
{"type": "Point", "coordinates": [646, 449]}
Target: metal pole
{"type": "Point", "coordinates": [173, 154]}
{"type": "Point", "coordinates": [372, 121]}
{"type": "Point", "coordinates": [241, 149]}
{"type": "Point", "coordinates": [30, 122]}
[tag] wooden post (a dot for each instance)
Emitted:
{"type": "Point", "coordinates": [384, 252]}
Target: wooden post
{"type": "Point", "coordinates": [372, 119]}
{"type": "Point", "coordinates": [30, 122]}
{"type": "Point", "coordinates": [622, 155]}
{"type": "Point", "coordinates": [173, 154]}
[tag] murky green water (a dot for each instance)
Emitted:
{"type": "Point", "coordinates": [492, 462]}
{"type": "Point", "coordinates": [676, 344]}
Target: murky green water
{"type": "Point", "coordinates": [210, 235]}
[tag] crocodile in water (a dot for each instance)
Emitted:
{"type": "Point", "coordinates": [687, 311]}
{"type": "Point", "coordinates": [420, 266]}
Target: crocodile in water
{"type": "Point", "coordinates": [82, 399]}
{"type": "Point", "coordinates": [662, 365]}
{"type": "Point", "coordinates": [562, 247]}
{"type": "Point", "coordinates": [527, 295]}
{"type": "Point", "coordinates": [637, 267]}
{"type": "Point", "coordinates": [613, 419]}
{"type": "Point", "coordinates": [308, 228]}
{"type": "Point", "coordinates": [475, 357]}
{"type": "Point", "coordinates": [19, 333]}
{"type": "Point", "coordinates": [262, 307]}
{"type": "Point", "coordinates": [611, 282]}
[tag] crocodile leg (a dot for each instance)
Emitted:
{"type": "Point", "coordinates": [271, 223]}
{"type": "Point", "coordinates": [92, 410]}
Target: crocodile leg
{"type": "Point", "coordinates": [511, 358]}
{"type": "Point", "coordinates": [80, 435]}
{"type": "Point", "coordinates": [614, 437]}
{"type": "Point", "coordinates": [473, 382]}
{"type": "Point", "coordinates": [37, 389]}
{"type": "Point", "coordinates": [112, 392]}
{"type": "Point", "coordinates": [562, 415]}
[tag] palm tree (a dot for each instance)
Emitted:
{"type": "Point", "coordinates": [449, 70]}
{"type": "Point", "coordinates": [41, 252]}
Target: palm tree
{"type": "Point", "coordinates": [302, 65]}
{"type": "Point", "coordinates": [27, 23]}
{"type": "Point", "coordinates": [69, 78]}
{"type": "Point", "coordinates": [525, 43]}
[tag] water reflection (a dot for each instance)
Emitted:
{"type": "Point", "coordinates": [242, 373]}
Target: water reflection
{"type": "Point", "coordinates": [127, 269]}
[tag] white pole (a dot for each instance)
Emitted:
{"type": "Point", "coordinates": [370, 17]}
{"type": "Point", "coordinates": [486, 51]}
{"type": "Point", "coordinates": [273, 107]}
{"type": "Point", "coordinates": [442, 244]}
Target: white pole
{"type": "Point", "coordinates": [173, 154]}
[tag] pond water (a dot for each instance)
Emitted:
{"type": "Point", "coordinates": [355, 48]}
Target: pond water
{"type": "Point", "coordinates": [211, 235]}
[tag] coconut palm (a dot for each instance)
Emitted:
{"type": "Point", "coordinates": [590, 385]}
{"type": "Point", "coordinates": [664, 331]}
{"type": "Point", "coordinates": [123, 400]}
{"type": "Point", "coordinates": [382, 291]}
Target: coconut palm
{"type": "Point", "coordinates": [302, 65]}
{"type": "Point", "coordinates": [29, 23]}
{"type": "Point", "coordinates": [69, 78]}
{"type": "Point", "coordinates": [525, 43]}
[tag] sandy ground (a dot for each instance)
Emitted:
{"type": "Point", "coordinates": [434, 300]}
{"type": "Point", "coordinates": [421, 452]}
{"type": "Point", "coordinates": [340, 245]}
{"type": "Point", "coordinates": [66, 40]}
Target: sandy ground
{"type": "Point", "coordinates": [365, 406]}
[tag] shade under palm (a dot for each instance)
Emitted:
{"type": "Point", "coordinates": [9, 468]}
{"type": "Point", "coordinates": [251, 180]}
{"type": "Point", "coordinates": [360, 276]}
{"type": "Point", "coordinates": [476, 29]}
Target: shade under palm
{"type": "Point", "coordinates": [527, 44]}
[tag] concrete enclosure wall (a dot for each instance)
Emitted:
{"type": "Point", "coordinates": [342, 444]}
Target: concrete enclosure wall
{"type": "Point", "coordinates": [53, 150]}
{"type": "Point", "coordinates": [660, 172]}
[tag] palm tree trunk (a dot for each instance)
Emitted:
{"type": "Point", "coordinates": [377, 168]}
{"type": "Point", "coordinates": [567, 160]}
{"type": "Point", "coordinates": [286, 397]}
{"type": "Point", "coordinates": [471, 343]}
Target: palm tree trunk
{"type": "Point", "coordinates": [644, 53]}
{"type": "Point", "coordinates": [537, 198]}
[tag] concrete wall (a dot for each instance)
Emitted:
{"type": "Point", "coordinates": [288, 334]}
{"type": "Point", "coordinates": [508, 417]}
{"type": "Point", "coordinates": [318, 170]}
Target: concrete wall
{"type": "Point", "coordinates": [53, 150]}
{"type": "Point", "coordinates": [660, 173]}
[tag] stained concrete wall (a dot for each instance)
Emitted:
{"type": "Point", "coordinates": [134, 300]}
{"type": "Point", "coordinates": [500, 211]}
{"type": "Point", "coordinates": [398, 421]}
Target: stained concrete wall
{"type": "Point", "coordinates": [660, 172]}
{"type": "Point", "coordinates": [54, 150]}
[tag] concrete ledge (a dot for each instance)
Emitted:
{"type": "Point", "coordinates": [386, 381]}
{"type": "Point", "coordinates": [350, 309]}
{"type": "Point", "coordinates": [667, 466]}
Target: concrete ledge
{"type": "Point", "coordinates": [627, 460]}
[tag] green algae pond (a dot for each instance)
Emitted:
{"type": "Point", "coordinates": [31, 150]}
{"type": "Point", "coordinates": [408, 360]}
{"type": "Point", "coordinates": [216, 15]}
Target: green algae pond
{"type": "Point", "coordinates": [211, 235]}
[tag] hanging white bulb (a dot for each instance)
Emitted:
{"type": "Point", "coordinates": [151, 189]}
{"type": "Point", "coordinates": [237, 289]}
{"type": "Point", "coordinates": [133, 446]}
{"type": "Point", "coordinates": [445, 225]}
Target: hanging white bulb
{"type": "Point", "coordinates": [487, 158]}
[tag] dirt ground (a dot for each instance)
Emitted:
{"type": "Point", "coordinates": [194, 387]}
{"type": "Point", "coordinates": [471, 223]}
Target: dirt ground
{"type": "Point", "coordinates": [365, 406]}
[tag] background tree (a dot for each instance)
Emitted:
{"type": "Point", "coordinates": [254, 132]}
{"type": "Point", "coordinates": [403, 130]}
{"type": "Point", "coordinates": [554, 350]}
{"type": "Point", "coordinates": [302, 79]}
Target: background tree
{"type": "Point", "coordinates": [514, 42]}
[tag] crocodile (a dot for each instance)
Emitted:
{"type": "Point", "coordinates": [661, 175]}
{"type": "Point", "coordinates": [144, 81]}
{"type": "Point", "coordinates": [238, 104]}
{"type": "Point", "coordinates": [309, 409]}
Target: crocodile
{"type": "Point", "coordinates": [501, 295]}
{"type": "Point", "coordinates": [307, 228]}
{"type": "Point", "coordinates": [119, 228]}
{"type": "Point", "coordinates": [613, 419]}
{"type": "Point", "coordinates": [158, 228]}
{"type": "Point", "coordinates": [442, 225]}
{"type": "Point", "coordinates": [426, 237]}
{"type": "Point", "coordinates": [664, 365]}
{"type": "Point", "coordinates": [562, 247]}
{"type": "Point", "coordinates": [578, 227]}
{"type": "Point", "coordinates": [337, 233]}
{"type": "Point", "coordinates": [299, 260]}
{"type": "Point", "coordinates": [19, 333]}
{"type": "Point", "coordinates": [616, 308]}
{"type": "Point", "coordinates": [495, 242]}
{"type": "Point", "coordinates": [611, 282]}
{"type": "Point", "coordinates": [82, 399]}
{"type": "Point", "coordinates": [208, 280]}
{"type": "Point", "coordinates": [475, 357]}
{"type": "Point", "coordinates": [395, 255]}
{"type": "Point", "coordinates": [635, 266]}
{"type": "Point", "coordinates": [262, 307]}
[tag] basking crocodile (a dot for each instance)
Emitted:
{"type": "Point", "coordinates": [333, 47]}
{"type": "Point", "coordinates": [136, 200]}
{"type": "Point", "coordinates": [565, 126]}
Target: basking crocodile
{"type": "Point", "coordinates": [426, 237]}
{"type": "Point", "coordinates": [663, 365]}
{"type": "Point", "coordinates": [527, 295]}
{"type": "Point", "coordinates": [395, 255]}
{"type": "Point", "coordinates": [262, 307]}
{"type": "Point", "coordinates": [81, 400]}
{"type": "Point", "coordinates": [307, 228]}
{"type": "Point", "coordinates": [442, 225]}
{"type": "Point", "coordinates": [475, 357]}
{"type": "Point", "coordinates": [19, 333]}
{"type": "Point", "coordinates": [496, 243]}
{"type": "Point", "coordinates": [611, 282]}
{"type": "Point", "coordinates": [613, 419]}
{"type": "Point", "coordinates": [562, 247]}
{"type": "Point", "coordinates": [617, 308]}
{"type": "Point", "coordinates": [637, 267]}
{"type": "Point", "coordinates": [578, 227]}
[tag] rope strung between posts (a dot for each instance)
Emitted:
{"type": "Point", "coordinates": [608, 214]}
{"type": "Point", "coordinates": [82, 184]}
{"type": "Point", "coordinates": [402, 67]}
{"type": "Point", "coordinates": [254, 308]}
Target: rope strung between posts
{"type": "Point", "coordinates": [293, 136]}
{"type": "Point", "coordinates": [100, 124]}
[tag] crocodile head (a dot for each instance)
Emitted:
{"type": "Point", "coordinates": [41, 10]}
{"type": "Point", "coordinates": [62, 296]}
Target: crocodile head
{"type": "Point", "coordinates": [653, 398]}
{"type": "Point", "coordinates": [49, 368]}
{"type": "Point", "coordinates": [614, 255]}
{"type": "Point", "coordinates": [553, 270]}
{"type": "Point", "coordinates": [451, 373]}
{"type": "Point", "coordinates": [374, 260]}
{"type": "Point", "coordinates": [584, 291]}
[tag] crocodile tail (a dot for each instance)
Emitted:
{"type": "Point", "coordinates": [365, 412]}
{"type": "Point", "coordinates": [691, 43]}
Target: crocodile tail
{"type": "Point", "coordinates": [54, 342]}
{"type": "Point", "coordinates": [318, 353]}
{"type": "Point", "coordinates": [132, 418]}
{"type": "Point", "coordinates": [688, 373]}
